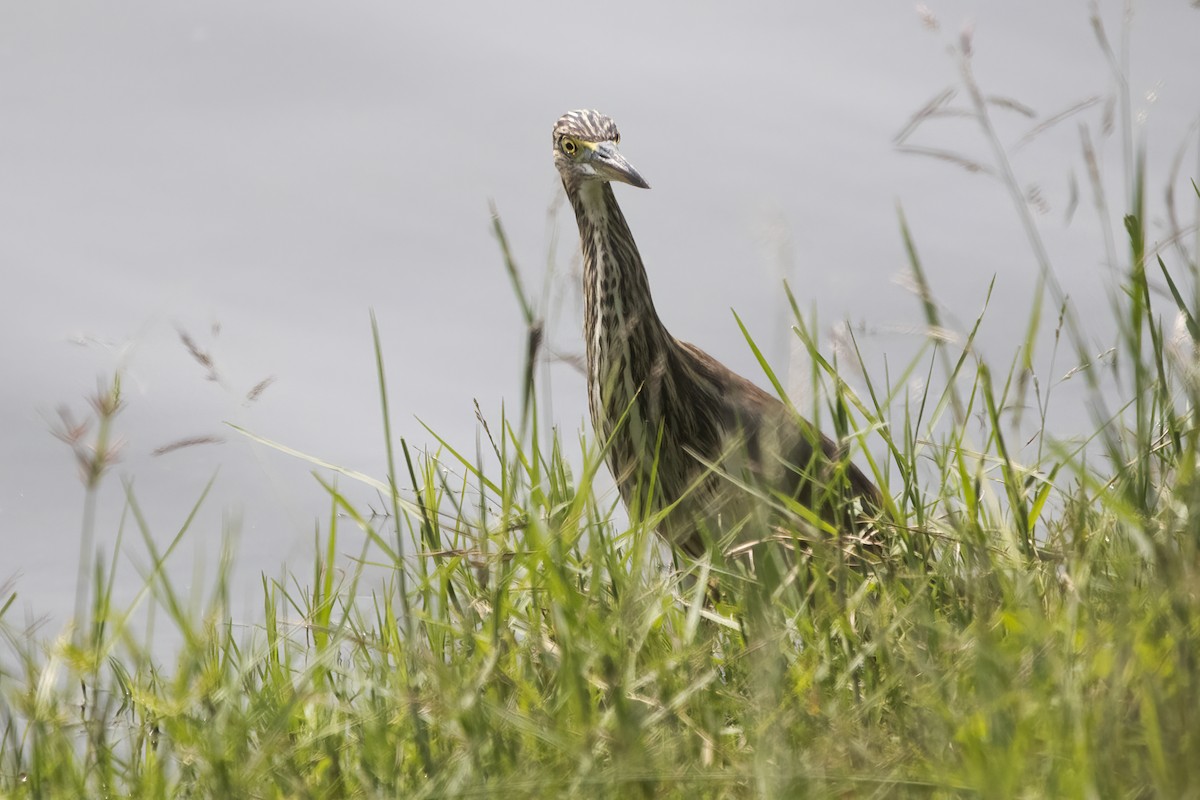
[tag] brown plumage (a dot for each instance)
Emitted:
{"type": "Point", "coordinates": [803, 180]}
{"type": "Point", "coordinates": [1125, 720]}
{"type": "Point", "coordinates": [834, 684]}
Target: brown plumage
{"type": "Point", "coordinates": [678, 426]}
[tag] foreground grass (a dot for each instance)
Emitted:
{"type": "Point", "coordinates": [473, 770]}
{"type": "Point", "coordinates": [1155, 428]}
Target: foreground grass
{"type": "Point", "coordinates": [531, 649]}
{"type": "Point", "coordinates": [1033, 629]}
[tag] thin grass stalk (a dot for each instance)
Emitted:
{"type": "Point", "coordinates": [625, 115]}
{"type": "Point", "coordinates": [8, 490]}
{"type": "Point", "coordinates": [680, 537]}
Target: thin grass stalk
{"type": "Point", "coordinates": [420, 731]}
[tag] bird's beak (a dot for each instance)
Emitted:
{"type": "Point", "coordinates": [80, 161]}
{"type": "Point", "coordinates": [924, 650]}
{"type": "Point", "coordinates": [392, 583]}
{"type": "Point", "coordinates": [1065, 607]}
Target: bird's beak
{"type": "Point", "coordinates": [612, 166]}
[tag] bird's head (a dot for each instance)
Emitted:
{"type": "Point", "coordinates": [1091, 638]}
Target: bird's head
{"type": "Point", "coordinates": [585, 149]}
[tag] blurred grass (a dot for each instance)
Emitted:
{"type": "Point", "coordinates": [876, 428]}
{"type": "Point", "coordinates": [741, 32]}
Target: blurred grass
{"type": "Point", "coordinates": [1033, 629]}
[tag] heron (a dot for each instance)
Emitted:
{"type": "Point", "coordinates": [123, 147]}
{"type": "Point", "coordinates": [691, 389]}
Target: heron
{"type": "Point", "coordinates": [690, 444]}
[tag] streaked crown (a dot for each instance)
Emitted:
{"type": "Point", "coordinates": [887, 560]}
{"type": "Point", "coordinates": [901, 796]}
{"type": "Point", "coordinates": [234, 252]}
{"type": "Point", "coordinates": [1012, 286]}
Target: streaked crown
{"type": "Point", "coordinates": [588, 125]}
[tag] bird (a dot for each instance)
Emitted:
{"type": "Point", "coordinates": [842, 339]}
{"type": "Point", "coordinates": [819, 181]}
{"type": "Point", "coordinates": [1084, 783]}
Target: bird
{"type": "Point", "coordinates": [691, 444]}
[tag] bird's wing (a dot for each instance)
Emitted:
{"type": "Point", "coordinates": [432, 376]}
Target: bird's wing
{"type": "Point", "coordinates": [772, 430]}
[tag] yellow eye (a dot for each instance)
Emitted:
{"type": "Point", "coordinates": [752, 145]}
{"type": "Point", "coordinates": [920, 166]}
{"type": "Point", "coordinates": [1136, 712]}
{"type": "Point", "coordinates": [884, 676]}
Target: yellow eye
{"type": "Point", "coordinates": [617, 139]}
{"type": "Point", "coordinates": [568, 147]}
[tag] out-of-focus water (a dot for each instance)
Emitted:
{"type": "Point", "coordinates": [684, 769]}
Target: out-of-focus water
{"type": "Point", "coordinates": [262, 175]}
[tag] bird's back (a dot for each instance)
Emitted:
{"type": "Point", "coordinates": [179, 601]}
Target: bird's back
{"type": "Point", "coordinates": [725, 448]}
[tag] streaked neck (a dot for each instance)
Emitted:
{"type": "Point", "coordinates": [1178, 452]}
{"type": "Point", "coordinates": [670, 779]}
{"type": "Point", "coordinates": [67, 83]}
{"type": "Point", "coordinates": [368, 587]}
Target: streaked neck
{"type": "Point", "coordinates": [627, 344]}
{"type": "Point", "coordinates": [616, 290]}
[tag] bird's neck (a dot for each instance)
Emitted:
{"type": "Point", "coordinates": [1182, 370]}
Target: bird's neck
{"type": "Point", "coordinates": [621, 327]}
{"type": "Point", "coordinates": [616, 290]}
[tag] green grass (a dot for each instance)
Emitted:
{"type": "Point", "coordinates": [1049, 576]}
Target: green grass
{"type": "Point", "coordinates": [1034, 629]}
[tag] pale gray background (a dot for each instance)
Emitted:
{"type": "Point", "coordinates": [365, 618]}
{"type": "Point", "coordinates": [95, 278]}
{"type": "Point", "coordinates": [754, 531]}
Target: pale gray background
{"type": "Point", "coordinates": [279, 168]}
